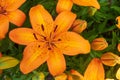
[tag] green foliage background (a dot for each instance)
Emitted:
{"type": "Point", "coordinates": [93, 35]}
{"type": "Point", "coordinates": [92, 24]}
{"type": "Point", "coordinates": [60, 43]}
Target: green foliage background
{"type": "Point", "coordinates": [101, 24]}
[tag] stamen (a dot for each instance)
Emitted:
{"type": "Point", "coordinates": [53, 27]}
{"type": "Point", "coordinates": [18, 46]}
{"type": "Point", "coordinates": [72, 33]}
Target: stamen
{"type": "Point", "coordinates": [35, 36]}
{"type": "Point", "coordinates": [55, 28]}
{"type": "Point", "coordinates": [59, 39]}
{"type": "Point", "coordinates": [44, 37]}
{"type": "Point", "coordinates": [42, 26]}
{"type": "Point", "coordinates": [49, 48]}
{"type": "Point", "coordinates": [38, 46]}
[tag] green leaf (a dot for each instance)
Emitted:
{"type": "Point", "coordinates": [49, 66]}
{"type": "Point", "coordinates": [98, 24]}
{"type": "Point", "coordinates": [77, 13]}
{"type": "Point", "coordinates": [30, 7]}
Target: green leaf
{"type": "Point", "coordinates": [8, 62]}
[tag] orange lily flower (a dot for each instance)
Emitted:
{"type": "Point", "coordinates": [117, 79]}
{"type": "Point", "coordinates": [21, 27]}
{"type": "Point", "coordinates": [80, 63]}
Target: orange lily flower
{"type": "Point", "coordinates": [9, 12]}
{"type": "Point", "coordinates": [94, 71]}
{"type": "Point", "coordinates": [67, 4]}
{"type": "Point", "coordinates": [48, 41]}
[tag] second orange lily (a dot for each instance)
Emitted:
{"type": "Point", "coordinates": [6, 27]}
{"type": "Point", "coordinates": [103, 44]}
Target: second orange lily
{"type": "Point", "coordinates": [48, 40]}
{"type": "Point", "coordinates": [9, 12]}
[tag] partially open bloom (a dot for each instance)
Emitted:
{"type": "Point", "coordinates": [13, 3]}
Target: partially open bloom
{"type": "Point", "coordinates": [67, 4]}
{"type": "Point", "coordinates": [118, 47]}
{"type": "Point", "coordinates": [99, 44]}
{"type": "Point", "coordinates": [110, 59]}
{"type": "Point", "coordinates": [92, 11]}
{"type": "Point", "coordinates": [9, 12]}
{"type": "Point", "coordinates": [95, 70]}
{"type": "Point", "coordinates": [118, 20]}
{"type": "Point", "coordinates": [48, 41]}
{"type": "Point", "coordinates": [79, 25]}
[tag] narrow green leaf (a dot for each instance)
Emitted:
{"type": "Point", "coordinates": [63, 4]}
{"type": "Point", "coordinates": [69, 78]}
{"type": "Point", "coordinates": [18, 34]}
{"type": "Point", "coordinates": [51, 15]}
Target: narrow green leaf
{"type": "Point", "coordinates": [8, 62]}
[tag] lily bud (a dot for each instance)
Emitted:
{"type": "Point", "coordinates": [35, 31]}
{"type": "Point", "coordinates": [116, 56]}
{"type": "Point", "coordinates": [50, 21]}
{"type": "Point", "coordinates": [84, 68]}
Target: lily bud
{"type": "Point", "coordinates": [64, 5]}
{"type": "Point", "coordinates": [118, 20]}
{"type": "Point", "coordinates": [92, 11]}
{"type": "Point", "coordinates": [110, 59]}
{"type": "Point", "coordinates": [75, 75]}
{"type": "Point", "coordinates": [118, 74]}
{"type": "Point", "coordinates": [118, 47]}
{"type": "Point", "coordinates": [109, 79]}
{"type": "Point", "coordinates": [62, 76]}
{"type": "Point", "coordinates": [79, 26]}
{"type": "Point", "coordinates": [99, 44]}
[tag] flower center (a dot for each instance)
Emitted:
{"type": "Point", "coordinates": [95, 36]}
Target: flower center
{"type": "Point", "coordinates": [50, 41]}
{"type": "Point", "coordinates": [2, 10]}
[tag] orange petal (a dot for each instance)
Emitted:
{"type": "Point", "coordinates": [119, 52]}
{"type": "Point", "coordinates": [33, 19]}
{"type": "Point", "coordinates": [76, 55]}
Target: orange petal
{"type": "Point", "coordinates": [110, 59]}
{"type": "Point", "coordinates": [22, 35]}
{"type": "Point", "coordinates": [63, 5]}
{"type": "Point", "coordinates": [118, 24]}
{"type": "Point", "coordinates": [64, 21]}
{"type": "Point", "coordinates": [4, 25]}
{"type": "Point", "coordinates": [56, 62]}
{"type": "Point", "coordinates": [16, 17]}
{"type": "Point", "coordinates": [41, 20]}
{"type": "Point", "coordinates": [72, 44]}
{"type": "Point", "coordinates": [93, 3]}
{"type": "Point", "coordinates": [34, 55]}
{"type": "Point", "coordinates": [12, 5]}
{"type": "Point", "coordinates": [95, 70]}
{"type": "Point", "coordinates": [118, 74]}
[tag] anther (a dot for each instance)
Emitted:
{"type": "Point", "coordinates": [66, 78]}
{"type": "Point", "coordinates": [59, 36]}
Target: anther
{"type": "Point", "coordinates": [42, 26]}
{"type": "Point", "coordinates": [38, 46]}
{"type": "Point", "coordinates": [49, 48]}
{"type": "Point", "coordinates": [59, 39]}
{"type": "Point", "coordinates": [55, 28]}
{"type": "Point", "coordinates": [35, 36]}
